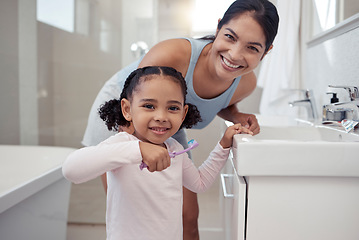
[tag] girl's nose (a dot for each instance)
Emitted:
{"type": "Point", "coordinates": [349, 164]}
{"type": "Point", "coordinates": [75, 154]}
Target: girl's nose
{"type": "Point", "coordinates": [161, 116]}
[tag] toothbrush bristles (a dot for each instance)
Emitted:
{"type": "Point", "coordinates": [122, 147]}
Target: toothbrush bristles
{"type": "Point", "coordinates": [192, 143]}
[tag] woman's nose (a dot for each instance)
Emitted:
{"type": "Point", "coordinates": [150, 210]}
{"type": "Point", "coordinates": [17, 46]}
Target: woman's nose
{"type": "Point", "coordinates": [237, 53]}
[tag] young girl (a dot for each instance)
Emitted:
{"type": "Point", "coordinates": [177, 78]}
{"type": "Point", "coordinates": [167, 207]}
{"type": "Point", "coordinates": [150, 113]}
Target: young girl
{"type": "Point", "coordinates": [147, 204]}
{"type": "Point", "coordinates": [219, 74]}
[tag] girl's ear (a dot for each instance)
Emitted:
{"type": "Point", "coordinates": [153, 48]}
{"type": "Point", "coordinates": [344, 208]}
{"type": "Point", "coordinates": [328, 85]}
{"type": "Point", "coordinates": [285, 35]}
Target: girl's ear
{"type": "Point", "coordinates": [126, 109]}
{"type": "Point", "coordinates": [185, 112]}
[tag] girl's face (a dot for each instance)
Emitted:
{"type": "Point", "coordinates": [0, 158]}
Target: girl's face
{"type": "Point", "coordinates": [238, 48]}
{"type": "Point", "coordinates": [157, 109]}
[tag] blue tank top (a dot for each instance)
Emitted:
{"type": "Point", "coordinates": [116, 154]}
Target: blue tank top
{"type": "Point", "coordinates": [207, 107]}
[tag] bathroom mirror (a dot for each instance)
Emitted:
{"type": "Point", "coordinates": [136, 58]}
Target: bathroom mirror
{"type": "Point", "coordinates": [328, 13]}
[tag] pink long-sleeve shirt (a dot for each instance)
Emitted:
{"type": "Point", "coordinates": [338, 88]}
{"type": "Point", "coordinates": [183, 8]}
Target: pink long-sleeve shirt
{"type": "Point", "coordinates": [140, 204]}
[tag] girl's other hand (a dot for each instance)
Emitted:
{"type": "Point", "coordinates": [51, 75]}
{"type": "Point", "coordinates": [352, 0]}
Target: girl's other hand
{"type": "Point", "coordinates": [156, 157]}
{"type": "Point", "coordinates": [227, 138]}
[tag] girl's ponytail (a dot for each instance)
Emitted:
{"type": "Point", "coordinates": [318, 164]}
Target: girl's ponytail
{"type": "Point", "coordinates": [111, 113]}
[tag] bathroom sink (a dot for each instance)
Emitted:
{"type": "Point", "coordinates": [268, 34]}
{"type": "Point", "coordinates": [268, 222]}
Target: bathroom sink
{"type": "Point", "coordinates": [297, 150]}
{"type": "Point", "coordinates": [301, 181]}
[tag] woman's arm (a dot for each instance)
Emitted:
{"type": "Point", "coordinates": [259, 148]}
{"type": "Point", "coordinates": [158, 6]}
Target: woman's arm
{"type": "Point", "coordinates": [245, 87]}
{"type": "Point", "coordinates": [232, 114]}
{"type": "Point", "coordinates": [174, 53]}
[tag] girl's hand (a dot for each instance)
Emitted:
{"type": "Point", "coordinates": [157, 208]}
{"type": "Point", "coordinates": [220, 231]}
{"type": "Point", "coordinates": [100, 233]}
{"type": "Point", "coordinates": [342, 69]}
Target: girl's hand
{"type": "Point", "coordinates": [227, 138]}
{"type": "Point", "coordinates": [156, 157]}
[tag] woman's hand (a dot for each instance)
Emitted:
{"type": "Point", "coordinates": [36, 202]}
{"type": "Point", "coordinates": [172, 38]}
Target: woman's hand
{"type": "Point", "coordinates": [227, 138]}
{"type": "Point", "coordinates": [232, 114]}
{"type": "Point", "coordinates": [247, 120]}
{"type": "Point", "coordinates": [156, 157]}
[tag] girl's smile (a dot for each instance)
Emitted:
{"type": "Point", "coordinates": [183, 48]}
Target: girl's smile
{"type": "Point", "coordinates": [159, 130]}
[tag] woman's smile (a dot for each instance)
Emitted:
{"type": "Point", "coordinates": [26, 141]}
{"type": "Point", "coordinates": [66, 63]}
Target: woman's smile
{"type": "Point", "coordinates": [238, 47]}
{"type": "Point", "coordinates": [229, 64]}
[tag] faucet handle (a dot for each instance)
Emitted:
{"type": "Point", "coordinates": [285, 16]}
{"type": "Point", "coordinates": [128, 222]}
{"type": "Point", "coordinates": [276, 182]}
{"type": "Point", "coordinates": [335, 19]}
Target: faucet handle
{"type": "Point", "coordinates": [307, 92]}
{"type": "Point", "coordinates": [352, 90]}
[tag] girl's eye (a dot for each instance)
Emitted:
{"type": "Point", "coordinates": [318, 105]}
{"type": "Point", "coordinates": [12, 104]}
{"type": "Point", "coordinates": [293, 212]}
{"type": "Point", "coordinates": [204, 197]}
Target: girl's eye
{"type": "Point", "coordinates": [149, 106]}
{"type": "Point", "coordinates": [174, 108]}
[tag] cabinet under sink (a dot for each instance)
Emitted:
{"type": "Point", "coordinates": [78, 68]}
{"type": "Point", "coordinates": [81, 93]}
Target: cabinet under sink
{"type": "Point", "coordinates": [292, 183]}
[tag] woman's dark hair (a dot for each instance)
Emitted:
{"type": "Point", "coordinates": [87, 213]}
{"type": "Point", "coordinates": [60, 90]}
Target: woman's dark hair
{"type": "Point", "coordinates": [263, 11]}
{"type": "Point", "coordinates": [111, 112]}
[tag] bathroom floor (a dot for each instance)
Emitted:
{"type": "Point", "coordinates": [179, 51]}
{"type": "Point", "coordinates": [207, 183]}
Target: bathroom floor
{"type": "Point", "coordinates": [86, 220]}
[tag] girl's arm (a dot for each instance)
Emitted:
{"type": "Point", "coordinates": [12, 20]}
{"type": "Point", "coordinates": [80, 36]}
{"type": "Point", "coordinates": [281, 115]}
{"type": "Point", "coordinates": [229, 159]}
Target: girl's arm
{"type": "Point", "coordinates": [199, 180]}
{"type": "Point", "coordinates": [90, 162]}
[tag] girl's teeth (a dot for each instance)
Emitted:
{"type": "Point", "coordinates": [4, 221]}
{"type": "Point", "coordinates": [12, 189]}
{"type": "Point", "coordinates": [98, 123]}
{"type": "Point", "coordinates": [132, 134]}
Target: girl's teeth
{"type": "Point", "coordinates": [229, 64]}
{"type": "Point", "coordinates": [159, 129]}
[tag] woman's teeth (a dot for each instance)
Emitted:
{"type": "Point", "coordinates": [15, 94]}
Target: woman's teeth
{"type": "Point", "coordinates": [229, 64]}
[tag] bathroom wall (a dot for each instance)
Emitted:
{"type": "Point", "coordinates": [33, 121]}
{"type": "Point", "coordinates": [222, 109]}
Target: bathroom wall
{"type": "Point", "coordinates": [73, 67]}
{"type": "Point", "coordinates": [332, 58]}
{"type": "Point", "coordinates": [9, 90]}
{"type": "Point", "coordinates": [50, 77]}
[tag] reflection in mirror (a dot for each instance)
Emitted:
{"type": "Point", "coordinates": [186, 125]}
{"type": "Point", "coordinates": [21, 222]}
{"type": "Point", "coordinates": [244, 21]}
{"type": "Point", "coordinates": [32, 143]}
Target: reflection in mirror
{"type": "Point", "coordinates": [332, 12]}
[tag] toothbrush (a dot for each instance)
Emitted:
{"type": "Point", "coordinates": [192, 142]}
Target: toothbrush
{"type": "Point", "coordinates": [191, 144]}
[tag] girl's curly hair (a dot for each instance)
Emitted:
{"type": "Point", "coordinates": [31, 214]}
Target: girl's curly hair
{"type": "Point", "coordinates": [111, 111]}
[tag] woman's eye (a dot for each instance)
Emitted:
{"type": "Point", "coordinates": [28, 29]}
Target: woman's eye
{"type": "Point", "coordinates": [229, 36]}
{"type": "Point", "coordinates": [254, 48]}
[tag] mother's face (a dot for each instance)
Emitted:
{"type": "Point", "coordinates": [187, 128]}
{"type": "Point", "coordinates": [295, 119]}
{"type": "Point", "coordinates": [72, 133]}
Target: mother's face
{"type": "Point", "coordinates": [239, 46]}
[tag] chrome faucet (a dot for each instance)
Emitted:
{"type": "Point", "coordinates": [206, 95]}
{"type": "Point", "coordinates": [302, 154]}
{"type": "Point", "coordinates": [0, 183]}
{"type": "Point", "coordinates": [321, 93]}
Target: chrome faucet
{"type": "Point", "coordinates": [308, 102]}
{"type": "Point", "coordinates": [343, 110]}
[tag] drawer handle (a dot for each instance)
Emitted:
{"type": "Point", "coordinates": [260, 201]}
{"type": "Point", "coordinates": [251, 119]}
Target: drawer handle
{"type": "Point", "coordinates": [224, 187]}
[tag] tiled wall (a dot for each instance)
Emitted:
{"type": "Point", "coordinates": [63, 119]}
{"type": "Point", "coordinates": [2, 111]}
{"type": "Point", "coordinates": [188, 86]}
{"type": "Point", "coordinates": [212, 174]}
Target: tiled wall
{"type": "Point", "coordinates": [334, 61]}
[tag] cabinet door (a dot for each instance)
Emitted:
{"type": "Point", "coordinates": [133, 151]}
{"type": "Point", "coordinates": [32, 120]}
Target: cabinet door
{"type": "Point", "coordinates": [239, 208]}
{"type": "Point", "coordinates": [234, 197]}
{"type": "Point", "coordinates": [303, 208]}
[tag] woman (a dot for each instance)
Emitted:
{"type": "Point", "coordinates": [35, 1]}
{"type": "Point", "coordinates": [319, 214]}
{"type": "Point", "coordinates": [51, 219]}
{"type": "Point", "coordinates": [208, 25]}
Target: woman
{"type": "Point", "coordinates": [218, 71]}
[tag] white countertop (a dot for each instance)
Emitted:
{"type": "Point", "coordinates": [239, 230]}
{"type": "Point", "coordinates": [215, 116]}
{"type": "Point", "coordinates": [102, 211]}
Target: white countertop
{"type": "Point", "coordinates": [27, 169]}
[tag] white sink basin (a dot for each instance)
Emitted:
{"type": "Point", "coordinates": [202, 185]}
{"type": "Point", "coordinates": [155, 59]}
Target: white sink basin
{"type": "Point", "coordinates": [314, 150]}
